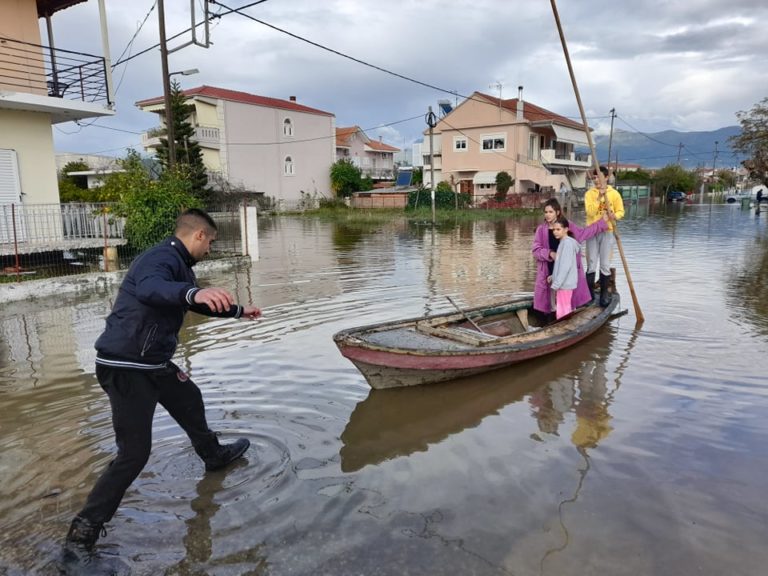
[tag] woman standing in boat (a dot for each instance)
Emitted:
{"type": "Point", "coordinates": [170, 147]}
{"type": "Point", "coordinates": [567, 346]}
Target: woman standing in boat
{"type": "Point", "coordinates": [545, 251]}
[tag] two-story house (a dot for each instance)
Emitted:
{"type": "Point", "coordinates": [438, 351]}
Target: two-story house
{"type": "Point", "coordinates": [485, 135]}
{"type": "Point", "coordinates": [41, 85]}
{"type": "Point", "coordinates": [375, 159]}
{"type": "Point", "coordinates": [278, 148]}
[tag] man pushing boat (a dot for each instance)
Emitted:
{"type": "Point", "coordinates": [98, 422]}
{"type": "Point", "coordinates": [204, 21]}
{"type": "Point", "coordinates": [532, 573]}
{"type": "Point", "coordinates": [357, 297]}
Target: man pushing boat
{"type": "Point", "coordinates": [134, 367]}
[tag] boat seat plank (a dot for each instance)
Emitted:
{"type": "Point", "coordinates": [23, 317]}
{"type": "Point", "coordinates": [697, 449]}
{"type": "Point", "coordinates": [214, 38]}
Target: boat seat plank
{"type": "Point", "coordinates": [407, 338]}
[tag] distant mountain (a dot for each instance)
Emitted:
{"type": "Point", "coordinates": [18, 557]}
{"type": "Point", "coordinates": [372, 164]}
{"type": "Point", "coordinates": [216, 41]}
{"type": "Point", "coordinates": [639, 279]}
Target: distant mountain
{"type": "Point", "coordinates": [656, 150]}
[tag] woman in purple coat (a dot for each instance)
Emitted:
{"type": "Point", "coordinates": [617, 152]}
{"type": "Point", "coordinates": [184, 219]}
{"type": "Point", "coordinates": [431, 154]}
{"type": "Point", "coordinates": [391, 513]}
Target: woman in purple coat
{"type": "Point", "coordinates": [544, 251]}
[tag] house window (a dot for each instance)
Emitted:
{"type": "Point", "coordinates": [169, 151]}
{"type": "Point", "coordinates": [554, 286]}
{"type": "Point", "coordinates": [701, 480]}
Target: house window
{"type": "Point", "coordinates": [533, 147]}
{"type": "Point", "coordinates": [288, 166]}
{"type": "Point", "coordinates": [287, 127]}
{"type": "Point", "coordinates": [460, 143]}
{"type": "Point", "coordinates": [493, 142]}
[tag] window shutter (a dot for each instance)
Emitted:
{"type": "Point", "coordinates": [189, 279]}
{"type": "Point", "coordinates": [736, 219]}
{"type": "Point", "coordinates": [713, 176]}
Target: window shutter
{"type": "Point", "coordinates": [10, 193]}
{"type": "Point", "coordinates": [10, 187]}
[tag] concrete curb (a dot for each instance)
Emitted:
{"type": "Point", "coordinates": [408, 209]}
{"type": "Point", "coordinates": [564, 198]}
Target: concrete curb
{"type": "Point", "coordinates": [47, 287]}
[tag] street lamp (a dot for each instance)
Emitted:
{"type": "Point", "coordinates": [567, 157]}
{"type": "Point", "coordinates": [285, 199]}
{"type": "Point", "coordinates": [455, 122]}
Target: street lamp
{"type": "Point", "coordinates": [185, 72]}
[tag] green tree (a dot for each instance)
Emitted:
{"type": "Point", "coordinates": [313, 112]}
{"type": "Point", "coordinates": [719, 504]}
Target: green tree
{"type": "Point", "coordinates": [345, 178]}
{"type": "Point", "coordinates": [673, 177]}
{"type": "Point", "coordinates": [74, 188]}
{"type": "Point", "coordinates": [418, 176]}
{"type": "Point", "coordinates": [503, 183]}
{"type": "Point", "coordinates": [638, 176]}
{"type": "Point", "coordinates": [753, 140]}
{"type": "Point", "coordinates": [187, 153]}
{"type": "Point", "coordinates": [727, 178]}
{"type": "Point", "coordinates": [149, 206]}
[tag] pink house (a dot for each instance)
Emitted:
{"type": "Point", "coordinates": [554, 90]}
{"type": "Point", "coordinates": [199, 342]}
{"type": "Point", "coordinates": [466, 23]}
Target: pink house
{"type": "Point", "coordinates": [485, 135]}
{"type": "Point", "coordinates": [374, 158]}
{"type": "Point", "coordinates": [278, 148]}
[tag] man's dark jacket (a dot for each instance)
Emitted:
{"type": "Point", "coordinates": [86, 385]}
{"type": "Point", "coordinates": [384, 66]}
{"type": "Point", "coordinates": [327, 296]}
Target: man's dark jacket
{"type": "Point", "coordinates": [143, 327]}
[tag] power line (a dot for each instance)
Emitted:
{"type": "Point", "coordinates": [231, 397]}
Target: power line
{"type": "Point", "coordinates": [215, 16]}
{"type": "Point", "coordinates": [131, 41]}
{"type": "Point", "coordinates": [321, 137]}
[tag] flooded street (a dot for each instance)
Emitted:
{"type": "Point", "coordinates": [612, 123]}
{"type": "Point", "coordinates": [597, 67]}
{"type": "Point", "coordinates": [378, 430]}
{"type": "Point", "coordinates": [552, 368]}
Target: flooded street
{"type": "Point", "coordinates": [636, 452]}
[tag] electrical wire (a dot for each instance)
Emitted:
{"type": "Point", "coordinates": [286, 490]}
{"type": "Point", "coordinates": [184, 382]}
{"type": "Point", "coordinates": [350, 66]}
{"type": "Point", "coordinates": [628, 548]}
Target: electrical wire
{"type": "Point", "coordinates": [333, 136]}
{"type": "Point", "coordinates": [531, 114]}
{"type": "Point", "coordinates": [214, 16]}
{"type": "Point", "coordinates": [129, 46]}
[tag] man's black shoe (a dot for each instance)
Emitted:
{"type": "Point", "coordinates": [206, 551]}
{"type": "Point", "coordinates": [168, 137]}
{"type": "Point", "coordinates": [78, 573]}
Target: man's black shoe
{"type": "Point", "coordinates": [226, 454]}
{"type": "Point", "coordinates": [78, 555]}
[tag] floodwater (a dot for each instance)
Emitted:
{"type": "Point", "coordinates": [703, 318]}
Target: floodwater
{"type": "Point", "coordinates": [637, 452]}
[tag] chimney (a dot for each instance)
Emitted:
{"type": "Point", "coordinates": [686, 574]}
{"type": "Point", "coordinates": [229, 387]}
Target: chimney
{"type": "Point", "coordinates": [292, 98]}
{"type": "Point", "coordinates": [519, 103]}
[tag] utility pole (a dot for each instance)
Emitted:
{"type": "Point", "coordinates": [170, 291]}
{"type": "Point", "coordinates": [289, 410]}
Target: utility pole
{"type": "Point", "coordinates": [610, 137]}
{"type": "Point", "coordinates": [714, 164]}
{"type": "Point", "coordinates": [679, 150]}
{"type": "Point", "coordinates": [431, 122]}
{"type": "Point", "coordinates": [166, 87]}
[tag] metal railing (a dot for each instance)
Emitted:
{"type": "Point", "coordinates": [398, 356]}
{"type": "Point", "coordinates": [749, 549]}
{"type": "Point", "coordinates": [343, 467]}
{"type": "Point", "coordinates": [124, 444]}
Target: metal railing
{"type": "Point", "coordinates": [207, 136]}
{"type": "Point", "coordinates": [38, 240]}
{"type": "Point", "coordinates": [38, 69]}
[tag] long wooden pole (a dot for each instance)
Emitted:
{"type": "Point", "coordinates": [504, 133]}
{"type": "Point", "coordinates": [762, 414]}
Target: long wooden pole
{"type": "Point", "coordinates": [601, 179]}
{"type": "Point", "coordinates": [467, 318]}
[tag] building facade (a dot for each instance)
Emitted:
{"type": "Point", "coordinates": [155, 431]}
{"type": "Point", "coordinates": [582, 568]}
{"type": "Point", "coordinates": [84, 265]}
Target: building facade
{"type": "Point", "coordinates": [41, 85]}
{"type": "Point", "coordinates": [277, 148]}
{"type": "Point", "coordinates": [375, 159]}
{"type": "Point", "coordinates": [484, 135]}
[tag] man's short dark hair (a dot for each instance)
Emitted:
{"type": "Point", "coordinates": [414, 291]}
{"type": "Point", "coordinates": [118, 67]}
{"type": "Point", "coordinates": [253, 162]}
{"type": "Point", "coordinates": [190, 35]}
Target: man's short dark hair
{"type": "Point", "coordinates": [604, 170]}
{"type": "Point", "coordinates": [193, 219]}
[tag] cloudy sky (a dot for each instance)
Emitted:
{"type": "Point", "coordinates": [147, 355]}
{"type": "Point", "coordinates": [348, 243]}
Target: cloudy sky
{"type": "Point", "coordinates": [684, 65]}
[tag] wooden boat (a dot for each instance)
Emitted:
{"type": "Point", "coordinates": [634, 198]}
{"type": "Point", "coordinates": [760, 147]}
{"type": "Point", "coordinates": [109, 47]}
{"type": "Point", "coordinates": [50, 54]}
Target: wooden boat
{"type": "Point", "coordinates": [447, 346]}
{"type": "Point", "coordinates": [389, 424]}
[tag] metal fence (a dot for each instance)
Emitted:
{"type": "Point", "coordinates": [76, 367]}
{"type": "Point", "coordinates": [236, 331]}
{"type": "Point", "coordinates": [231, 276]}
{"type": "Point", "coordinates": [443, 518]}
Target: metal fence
{"type": "Point", "coordinates": [43, 240]}
{"type": "Point", "coordinates": [38, 69]}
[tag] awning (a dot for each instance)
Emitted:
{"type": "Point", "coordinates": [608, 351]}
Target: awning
{"type": "Point", "coordinates": [484, 178]}
{"type": "Point", "coordinates": [570, 135]}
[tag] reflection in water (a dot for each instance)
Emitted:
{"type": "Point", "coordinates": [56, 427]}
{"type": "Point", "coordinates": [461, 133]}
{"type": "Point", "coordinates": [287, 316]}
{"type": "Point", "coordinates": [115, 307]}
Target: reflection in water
{"type": "Point", "coordinates": [590, 405]}
{"type": "Point", "coordinates": [198, 540]}
{"type": "Point", "coordinates": [398, 422]}
{"type": "Point", "coordinates": [485, 476]}
{"type": "Point", "coordinates": [748, 286]}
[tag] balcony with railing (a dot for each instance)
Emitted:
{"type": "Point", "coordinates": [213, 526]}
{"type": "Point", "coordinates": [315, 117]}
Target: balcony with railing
{"type": "Point", "coordinates": [551, 157]}
{"type": "Point", "coordinates": [70, 85]}
{"type": "Point", "coordinates": [206, 136]}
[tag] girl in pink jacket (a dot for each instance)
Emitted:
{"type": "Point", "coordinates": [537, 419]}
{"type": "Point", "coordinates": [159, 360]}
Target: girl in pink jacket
{"type": "Point", "coordinates": [544, 251]}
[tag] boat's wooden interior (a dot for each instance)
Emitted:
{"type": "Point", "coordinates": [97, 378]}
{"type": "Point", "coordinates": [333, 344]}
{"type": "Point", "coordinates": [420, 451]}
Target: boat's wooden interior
{"type": "Point", "coordinates": [506, 327]}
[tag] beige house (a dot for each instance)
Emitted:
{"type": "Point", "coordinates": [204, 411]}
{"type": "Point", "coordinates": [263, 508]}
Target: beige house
{"type": "Point", "coordinates": [375, 159]}
{"type": "Point", "coordinates": [278, 148]}
{"type": "Point", "coordinates": [485, 135]}
{"type": "Point", "coordinates": [41, 85]}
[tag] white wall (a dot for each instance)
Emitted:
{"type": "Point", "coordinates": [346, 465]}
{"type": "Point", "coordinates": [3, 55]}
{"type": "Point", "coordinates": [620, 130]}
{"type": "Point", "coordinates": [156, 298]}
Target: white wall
{"type": "Point", "coordinates": [256, 149]}
{"type": "Point", "coordinates": [29, 133]}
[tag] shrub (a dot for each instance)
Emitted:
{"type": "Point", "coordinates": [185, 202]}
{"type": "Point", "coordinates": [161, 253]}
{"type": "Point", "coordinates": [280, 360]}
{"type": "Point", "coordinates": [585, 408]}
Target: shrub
{"type": "Point", "coordinates": [445, 198]}
{"type": "Point", "coordinates": [151, 206]}
{"type": "Point", "coordinates": [503, 183]}
{"type": "Point", "coordinates": [345, 178]}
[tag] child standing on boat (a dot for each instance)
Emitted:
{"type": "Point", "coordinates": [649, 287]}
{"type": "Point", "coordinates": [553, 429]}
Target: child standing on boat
{"type": "Point", "coordinates": [565, 274]}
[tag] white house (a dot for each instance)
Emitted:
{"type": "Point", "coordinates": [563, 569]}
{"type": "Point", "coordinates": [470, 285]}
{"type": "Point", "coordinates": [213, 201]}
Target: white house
{"type": "Point", "coordinates": [278, 148]}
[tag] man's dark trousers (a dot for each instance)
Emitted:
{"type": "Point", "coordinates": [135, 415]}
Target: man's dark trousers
{"type": "Point", "coordinates": [133, 395]}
